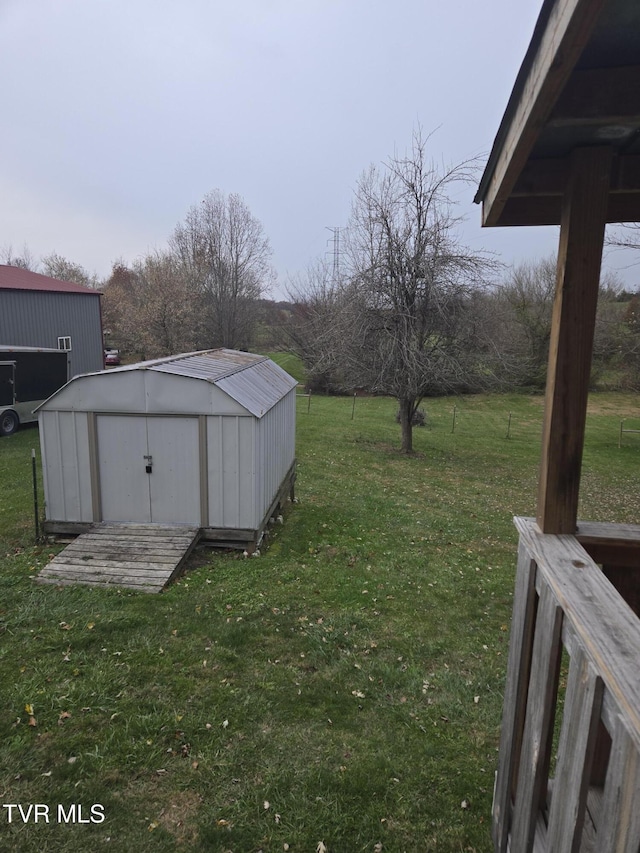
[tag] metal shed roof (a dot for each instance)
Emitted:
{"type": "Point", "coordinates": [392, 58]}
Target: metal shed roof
{"type": "Point", "coordinates": [254, 381]}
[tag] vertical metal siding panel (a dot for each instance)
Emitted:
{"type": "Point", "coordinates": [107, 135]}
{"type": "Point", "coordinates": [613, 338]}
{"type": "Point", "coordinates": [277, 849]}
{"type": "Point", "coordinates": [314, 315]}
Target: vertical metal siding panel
{"type": "Point", "coordinates": [73, 449]}
{"type": "Point", "coordinates": [84, 465]}
{"type": "Point", "coordinates": [52, 467]}
{"type": "Point", "coordinates": [70, 482]}
{"type": "Point", "coordinates": [291, 420]}
{"type": "Point", "coordinates": [203, 456]}
{"type": "Point", "coordinates": [45, 474]}
{"type": "Point", "coordinates": [263, 462]}
{"type": "Point", "coordinates": [256, 470]}
{"type": "Point", "coordinates": [63, 495]}
{"type": "Point", "coordinates": [38, 318]}
{"type": "Point", "coordinates": [271, 454]}
{"type": "Point", "coordinates": [246, 515]}
{"type": "Point", "coordinates": [214, 470]}
{"type": "Point", "coordinates": [239, 459]}
{"type": "Point", "coordinates": [277, 447]}
{"type": "Point", "coordinates": [230, 472]}
{"type": "Point", "coordinates": [93, 472]}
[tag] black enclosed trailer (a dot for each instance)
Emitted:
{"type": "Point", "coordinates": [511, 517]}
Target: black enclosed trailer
{"type": "Point", "coordinates": [28, 376]}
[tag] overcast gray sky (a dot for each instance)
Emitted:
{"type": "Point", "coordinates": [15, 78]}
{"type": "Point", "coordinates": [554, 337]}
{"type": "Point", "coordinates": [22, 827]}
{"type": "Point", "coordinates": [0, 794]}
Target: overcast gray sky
{"type": "Point", "coordinates": [118, 115]}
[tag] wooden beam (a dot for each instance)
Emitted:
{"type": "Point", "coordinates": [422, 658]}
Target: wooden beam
{"type": "Point", "coordinates": [571, 346]}
{"type": "Point", "coordinates": [599, 95]}
{"type": "Point", "coordinates": [542, 178]}
{"type": "Point", "coordinates": [537, 196]}
{"type": "Point", "coordinates": [565, 34]}
{"type": "Point", "coordinates": [547, 210]}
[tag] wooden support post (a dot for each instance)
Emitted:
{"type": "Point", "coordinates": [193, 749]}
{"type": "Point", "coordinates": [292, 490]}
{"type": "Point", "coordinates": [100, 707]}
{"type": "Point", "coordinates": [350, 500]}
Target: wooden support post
{"type": "Point", "coordinates": [574, 312]}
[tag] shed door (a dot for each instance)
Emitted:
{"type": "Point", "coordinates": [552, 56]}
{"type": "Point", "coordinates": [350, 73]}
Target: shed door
{"type": "Point", "coordinates": [167, 494]}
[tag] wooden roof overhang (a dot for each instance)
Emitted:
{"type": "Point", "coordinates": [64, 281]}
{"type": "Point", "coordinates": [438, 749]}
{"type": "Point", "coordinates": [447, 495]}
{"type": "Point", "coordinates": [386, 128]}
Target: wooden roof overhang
{"type": "Point", "coordinates": [568, 153]}
{"type": "Point", "coordinates": [578, 86]}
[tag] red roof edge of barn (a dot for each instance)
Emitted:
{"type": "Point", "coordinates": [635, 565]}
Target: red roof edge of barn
{"type": "Point", "coordinates": [16, 278]}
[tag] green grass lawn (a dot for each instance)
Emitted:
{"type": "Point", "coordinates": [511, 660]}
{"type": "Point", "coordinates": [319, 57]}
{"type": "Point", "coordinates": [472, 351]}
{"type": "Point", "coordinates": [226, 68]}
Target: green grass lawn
{"type": "Point", "coordinates": [344, 687]}
{"type": "Point", "coordinates": [291, 363]}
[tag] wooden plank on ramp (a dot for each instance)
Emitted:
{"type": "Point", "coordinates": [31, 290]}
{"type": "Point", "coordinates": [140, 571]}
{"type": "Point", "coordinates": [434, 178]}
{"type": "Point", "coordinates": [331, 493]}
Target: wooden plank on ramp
{"type": "Point", "coordinates": [145, 557]}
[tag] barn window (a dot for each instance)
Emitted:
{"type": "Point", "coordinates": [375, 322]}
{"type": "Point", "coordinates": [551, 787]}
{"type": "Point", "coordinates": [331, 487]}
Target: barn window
{"type": "Point", "coordinates": [65, 343]}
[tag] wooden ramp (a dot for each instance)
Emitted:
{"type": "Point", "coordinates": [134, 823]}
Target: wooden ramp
{"type": "Point", "coordinates": [137, 556]}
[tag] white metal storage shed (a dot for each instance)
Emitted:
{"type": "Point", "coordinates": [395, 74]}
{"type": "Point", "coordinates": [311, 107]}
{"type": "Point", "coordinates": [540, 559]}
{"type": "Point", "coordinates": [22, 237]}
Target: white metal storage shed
{"type": "Point", "coordinates": [204, 439]}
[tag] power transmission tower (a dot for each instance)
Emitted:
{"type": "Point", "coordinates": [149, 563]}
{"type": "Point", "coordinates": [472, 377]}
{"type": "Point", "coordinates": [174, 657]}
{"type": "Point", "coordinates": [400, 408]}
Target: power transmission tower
{"type": "Point", "coordinates": [336, 253]}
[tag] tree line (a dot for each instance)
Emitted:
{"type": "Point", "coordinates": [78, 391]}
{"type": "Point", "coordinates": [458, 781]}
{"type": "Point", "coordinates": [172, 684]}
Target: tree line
{"type": "Point", "coordinates": [410, 311]}
{"type": "Point", "coordinates": [203, 291]}
{"type": "Point", "coordinates": [415, 313]}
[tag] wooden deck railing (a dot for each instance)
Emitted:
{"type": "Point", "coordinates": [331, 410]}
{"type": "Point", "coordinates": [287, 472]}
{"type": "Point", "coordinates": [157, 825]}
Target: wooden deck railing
{"type": "Point", "coordinates": [568, 777]}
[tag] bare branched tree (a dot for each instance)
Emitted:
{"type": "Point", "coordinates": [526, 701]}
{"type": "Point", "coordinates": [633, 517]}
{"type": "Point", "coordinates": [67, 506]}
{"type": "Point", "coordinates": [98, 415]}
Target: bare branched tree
{"type": "Point", "coordinates": [170, 311]}
{"type": "Point", "coordinates": [310, 331]}
{"type": "Point", "coordinates": [522, 307]}
{"type": "Point", "coordinates": [226, 256]}
{"type": "Point", "coordinates": [25, 261]}
{"type": "Point", "coordinates": [525, 304]}
{"type": "Point", "coordinates": [56, 266]}
{"type": "Point", "coordinates": [402, 329]}
{"type": "Point", "coordinates": [151, 308]}
{"type": "Point", "coordinates": [122, 308]}
{"type": "Point", "coordinates": [623, 236]}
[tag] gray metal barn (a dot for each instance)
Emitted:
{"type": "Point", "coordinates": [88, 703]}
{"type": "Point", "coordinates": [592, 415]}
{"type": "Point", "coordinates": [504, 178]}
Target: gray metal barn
{"type": "Point", "coordinates": [39, 311]}
{"type": "Point", "coordinates": [204, 439]}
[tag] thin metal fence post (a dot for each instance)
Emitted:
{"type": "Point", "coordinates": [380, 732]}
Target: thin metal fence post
{"type": "Point", "coordinates": [35, 492]}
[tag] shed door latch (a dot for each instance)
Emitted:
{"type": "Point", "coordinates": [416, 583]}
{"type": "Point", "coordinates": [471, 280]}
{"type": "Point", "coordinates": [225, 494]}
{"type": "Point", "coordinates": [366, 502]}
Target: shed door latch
{"type": "Point", "coordinates": [149, 465]}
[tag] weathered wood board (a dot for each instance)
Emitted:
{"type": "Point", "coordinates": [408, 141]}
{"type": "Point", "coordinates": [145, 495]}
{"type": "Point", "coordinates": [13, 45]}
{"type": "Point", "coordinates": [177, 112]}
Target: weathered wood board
{"type": "Point", "coordinates": [145, 557]}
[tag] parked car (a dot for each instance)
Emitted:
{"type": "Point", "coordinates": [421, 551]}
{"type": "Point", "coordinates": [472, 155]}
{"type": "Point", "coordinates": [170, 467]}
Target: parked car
{"type": "Point", "coordinates": [111, 357]}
